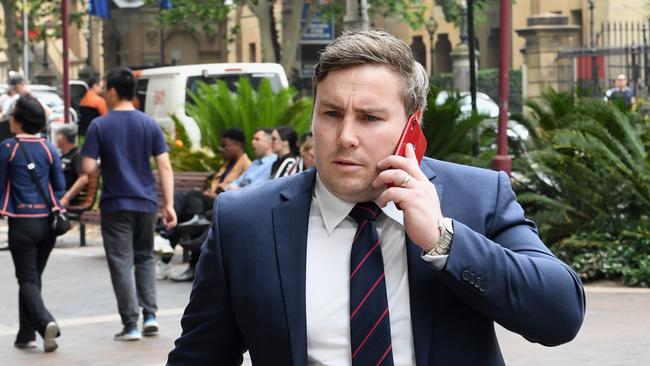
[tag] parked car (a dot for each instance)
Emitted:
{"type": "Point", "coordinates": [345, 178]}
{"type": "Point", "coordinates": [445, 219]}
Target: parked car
{"type": "Point", "coordinates": [162, 91]}
{"type": "Point", "coordinates": [50, 98]}
{"type": "Point", "coordinates": [78, 89]}
{"type": "Point", "coordinates": [487, 107]}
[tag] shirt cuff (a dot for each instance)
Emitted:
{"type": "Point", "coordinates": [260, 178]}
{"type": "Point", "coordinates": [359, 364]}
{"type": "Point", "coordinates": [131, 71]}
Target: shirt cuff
{"type": "Point", "coordinates": [436, 261]}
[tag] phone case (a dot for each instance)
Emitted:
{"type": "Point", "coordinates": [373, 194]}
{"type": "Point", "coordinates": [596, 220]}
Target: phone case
{"type": "Point", "coordinates": [413, 134]}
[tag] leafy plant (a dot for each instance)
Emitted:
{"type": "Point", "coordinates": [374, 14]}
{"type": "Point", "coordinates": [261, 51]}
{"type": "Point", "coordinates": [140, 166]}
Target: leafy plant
{"type": "Point", "coordinates": [587, 167]}
{"type": "Point", "coordinates": [215, 108]}
{"type": "Point", "coordinates": [584, 176]}
{"type": "Point", "coordinates": [622, 255]}
{"type": "Point", "coordinates": [452, 137]}
{"type": "Point", "coordinates": [184, 158]}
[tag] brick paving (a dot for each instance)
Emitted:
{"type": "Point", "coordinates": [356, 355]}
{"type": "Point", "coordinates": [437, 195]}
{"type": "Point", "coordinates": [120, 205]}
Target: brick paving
{"type": "Point", "coordinates": [77, 291]}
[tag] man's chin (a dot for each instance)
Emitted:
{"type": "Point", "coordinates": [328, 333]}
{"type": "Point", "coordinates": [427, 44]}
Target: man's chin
{"type": "Point", "coordinates": [352, 190]}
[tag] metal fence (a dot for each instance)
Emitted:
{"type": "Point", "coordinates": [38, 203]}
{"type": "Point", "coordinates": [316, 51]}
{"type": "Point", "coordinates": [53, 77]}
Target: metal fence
{"type": "Point", "coordinates": [618, 48]}
{"type": "Point", "coordinates": [594, 70]}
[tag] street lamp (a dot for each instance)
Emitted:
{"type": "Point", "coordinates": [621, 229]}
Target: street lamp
{"type": "Point", "coordinates": [432, 27]}
{"type": "Point", "coordinates": [47, 26]}
{"type": "Point", "coordinates": [463, 21]}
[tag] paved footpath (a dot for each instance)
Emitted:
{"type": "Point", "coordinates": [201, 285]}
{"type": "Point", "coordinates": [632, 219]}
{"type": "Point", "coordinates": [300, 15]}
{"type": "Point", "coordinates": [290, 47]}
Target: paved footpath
{"type": "Point", "coordinates": [77, 291]}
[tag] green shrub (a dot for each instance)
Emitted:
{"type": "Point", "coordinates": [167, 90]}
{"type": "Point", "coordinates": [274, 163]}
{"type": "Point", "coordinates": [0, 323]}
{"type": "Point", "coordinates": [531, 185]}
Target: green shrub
{"type": "Point", "coordinates": [584, 165]}
{"type": "Point", "coordinates": [487, 81]}
{"type": "Point", "coordinates": [184, 158]}
{"type": "Point", "coordinates": [452, 137]}
{"type": "Point", "coordinates": [584, 177]}
{"type": "Point", "coordinates": [623, 254]}
{"type": "Point", "coordinates": [215, 108]}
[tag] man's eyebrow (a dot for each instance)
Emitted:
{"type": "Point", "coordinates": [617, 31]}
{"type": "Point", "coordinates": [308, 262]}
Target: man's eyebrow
{"type": "Point", "coordinates": [367, 110]}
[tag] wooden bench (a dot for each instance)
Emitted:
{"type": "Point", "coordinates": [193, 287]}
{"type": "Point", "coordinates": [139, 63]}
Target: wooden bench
{"type": "Point", "coordinates": [183, 182]}
{"type": "Point", "coordinates": [86, 199]}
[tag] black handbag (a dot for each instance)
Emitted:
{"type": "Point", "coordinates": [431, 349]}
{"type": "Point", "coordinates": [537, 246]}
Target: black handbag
{"type": "Point", "coordinates": [59, 222]}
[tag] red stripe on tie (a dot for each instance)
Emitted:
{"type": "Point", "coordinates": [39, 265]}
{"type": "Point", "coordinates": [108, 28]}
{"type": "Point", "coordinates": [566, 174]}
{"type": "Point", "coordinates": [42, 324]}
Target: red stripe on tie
{"type": "Point", "coordinates": [369, 210]}
{"type": "Point", "coordinates": [366, 297]}
{"type": "Point", "coordinates": [390, 347]}
{"type": "Point", "coordinates": [383, 315]}
{"type": "Point", "coordinates": [359, 230]}
{"type": "Point", "coordinates": [374, 247]}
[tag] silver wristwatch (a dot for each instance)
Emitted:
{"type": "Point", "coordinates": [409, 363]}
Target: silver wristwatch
{"type": "Point", "coordinates": [443, 246]}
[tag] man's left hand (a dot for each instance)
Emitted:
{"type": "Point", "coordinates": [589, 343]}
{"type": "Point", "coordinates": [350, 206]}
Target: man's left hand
{"type": "Point", "coordinates": [416, 196]}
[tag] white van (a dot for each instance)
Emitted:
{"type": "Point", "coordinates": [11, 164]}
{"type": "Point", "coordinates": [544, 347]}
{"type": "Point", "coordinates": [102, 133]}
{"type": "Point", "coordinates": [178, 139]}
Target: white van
{"type": "Point", "coordinates": [162, 91]}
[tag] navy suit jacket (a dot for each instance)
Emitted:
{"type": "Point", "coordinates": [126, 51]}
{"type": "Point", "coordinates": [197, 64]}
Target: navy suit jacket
{"type": "Point", "coordinates": [249, 288]}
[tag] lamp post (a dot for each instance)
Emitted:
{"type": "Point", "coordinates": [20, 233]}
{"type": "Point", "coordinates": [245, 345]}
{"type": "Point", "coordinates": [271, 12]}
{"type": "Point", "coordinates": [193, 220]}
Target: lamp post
{"type": "Point", "coordinates": [432, 27]}
{"type": "Point", "coordinates": [503, 161]}
{"type": "Point", "coordinates": [592, 44]}
{"type": "Point", "coordinates": [463, 21]}
{"type": "Point", "coordinates": [46, 27]}
{"type": "Point", "coordinates": [25, 41]}
{"type": "Point", "coordinates": [591, 24]}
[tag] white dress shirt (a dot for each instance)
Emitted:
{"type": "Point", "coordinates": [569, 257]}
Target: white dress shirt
{"type": "Point", "coordinates": [327, 293]}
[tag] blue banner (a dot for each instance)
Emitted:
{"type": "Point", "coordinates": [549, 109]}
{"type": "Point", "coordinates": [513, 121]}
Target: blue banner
{"type": "Point", "coordinates": [319, 30]}
{"type": "Point", "coordinates": [165, 4]}
{"type": "Point", "coordinates": [99, 8]}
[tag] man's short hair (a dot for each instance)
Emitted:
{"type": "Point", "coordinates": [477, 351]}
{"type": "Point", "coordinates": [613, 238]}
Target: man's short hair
{"type": "Point", "coordinates": [15, 80]}
{"type": "Point", "coordinates": [29, 112]}
{"type": "Point", "coordinates": [356, 47]}
{"type": "Point", "coordinates": [69, 131]}
{"type": "Point", "coordinates": [268, 132]}
{"type": "Point", "coordinates": [92, 81]}
{"type": "Point", "coordinates": [235, 134]}
{"type": "Point", "coordinates": [123, 81]}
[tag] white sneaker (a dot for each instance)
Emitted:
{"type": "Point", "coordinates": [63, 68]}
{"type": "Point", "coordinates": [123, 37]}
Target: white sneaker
{"type": "Point", "coordinates": [163, 270]}
{"type": "Point", "coordinates": [162, 247]}
{"type": "Point", "coordinates": [49, 337]}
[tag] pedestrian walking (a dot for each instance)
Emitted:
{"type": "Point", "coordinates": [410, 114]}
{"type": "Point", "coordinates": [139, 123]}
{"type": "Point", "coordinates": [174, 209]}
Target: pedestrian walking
{"type": "Point", "coordinates": [31, 237]}
{"type": "Point", "coordinates": [125, 140]}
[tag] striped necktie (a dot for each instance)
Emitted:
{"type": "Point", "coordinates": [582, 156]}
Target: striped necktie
{"type": "Point", "coordinates": [369, 316]}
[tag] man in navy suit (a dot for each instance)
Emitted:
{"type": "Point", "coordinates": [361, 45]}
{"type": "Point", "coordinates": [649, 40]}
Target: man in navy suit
{"type": "Point", "coordinates": [322, 268]}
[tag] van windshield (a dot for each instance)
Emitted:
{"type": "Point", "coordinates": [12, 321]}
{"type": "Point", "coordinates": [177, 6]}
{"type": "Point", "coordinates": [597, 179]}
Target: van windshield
{"type": "Point", "coordinates": [232, 79]}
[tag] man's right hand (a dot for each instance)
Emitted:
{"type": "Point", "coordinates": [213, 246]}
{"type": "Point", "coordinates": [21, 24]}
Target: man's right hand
{"type": "Point", "coordinates": [169, 217]}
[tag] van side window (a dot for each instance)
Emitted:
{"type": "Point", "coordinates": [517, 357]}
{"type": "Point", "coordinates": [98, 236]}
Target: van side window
{"type": "Point", "coordinates": [141, 93]}
{"type": "Point", "coordinates": [231, 81]}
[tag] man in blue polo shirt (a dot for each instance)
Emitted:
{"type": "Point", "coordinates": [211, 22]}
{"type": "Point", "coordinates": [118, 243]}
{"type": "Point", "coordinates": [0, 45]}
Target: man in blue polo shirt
{"type": "Point", "coordinates": [260, 169]}
{"type": "Point", "coordinates": [125, 140]}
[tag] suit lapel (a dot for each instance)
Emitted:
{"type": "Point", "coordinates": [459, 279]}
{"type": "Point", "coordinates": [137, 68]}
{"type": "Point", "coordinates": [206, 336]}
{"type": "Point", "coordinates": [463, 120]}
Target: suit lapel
{"type": "Point", "coordinates": [290, 223]}
{"type": "Point", "coordinates": [421, 290]}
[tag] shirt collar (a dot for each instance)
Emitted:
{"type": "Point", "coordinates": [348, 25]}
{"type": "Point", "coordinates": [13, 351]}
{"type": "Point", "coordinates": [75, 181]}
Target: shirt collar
{"type": "Point", "coordinates": [334, 210]}
{"type": "Point", "coordinates": [267, 159]}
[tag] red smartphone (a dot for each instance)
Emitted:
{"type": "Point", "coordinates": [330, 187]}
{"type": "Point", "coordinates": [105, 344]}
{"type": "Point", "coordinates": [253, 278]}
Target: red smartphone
{"type": "Point", "coordinates": [413, 134]}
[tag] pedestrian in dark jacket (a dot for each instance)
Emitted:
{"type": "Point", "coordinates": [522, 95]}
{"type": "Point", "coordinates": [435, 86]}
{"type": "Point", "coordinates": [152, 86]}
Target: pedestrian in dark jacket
{"type": "Point", "coordinates": [30, 236]}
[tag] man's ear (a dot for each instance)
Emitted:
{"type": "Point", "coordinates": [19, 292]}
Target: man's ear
{"type": "Point", "coordinates": [418, 116]}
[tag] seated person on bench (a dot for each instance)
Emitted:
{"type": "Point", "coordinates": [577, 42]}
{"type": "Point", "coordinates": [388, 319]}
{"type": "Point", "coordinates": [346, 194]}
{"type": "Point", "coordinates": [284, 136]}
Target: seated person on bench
{"type": "Point", "coordinates": [75, 180]}
{"type": "Point", "coordinates": [191, 206]}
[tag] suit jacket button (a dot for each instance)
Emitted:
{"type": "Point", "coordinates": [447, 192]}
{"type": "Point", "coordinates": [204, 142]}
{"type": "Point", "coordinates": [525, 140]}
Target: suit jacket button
{"type": "Point", "coordinates": [471, 278]}
{"type": "Point", "coordinates": [465, 275]}
{"type": "Point", "coordinates": [477, 282]}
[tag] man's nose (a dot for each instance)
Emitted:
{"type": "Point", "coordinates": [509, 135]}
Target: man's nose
{"type": "Point", "coordinates": [348, 132]}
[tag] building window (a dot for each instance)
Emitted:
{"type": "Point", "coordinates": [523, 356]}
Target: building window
{"type": "Point", "coordinates": [252, 52]}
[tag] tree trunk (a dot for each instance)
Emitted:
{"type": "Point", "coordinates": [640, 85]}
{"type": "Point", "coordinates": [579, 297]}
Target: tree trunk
{"type": "Point", "coordinates": [261, 11]}
{"type": "Point", "coordinates": [294, 33]}
{"type": "Point", "coordinates": [274, 34]}
{"type": "Point", "coordinates": [10, 34]}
